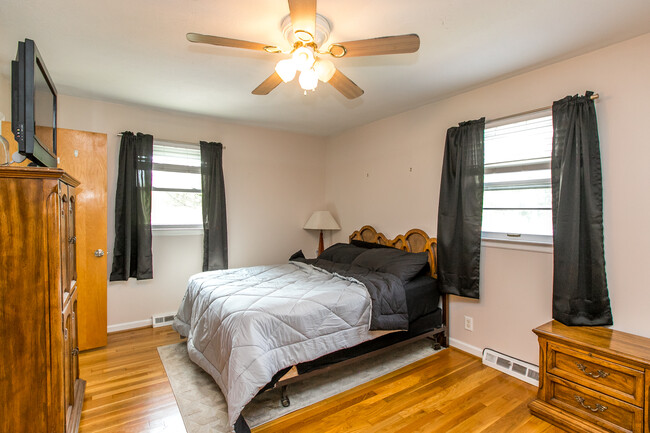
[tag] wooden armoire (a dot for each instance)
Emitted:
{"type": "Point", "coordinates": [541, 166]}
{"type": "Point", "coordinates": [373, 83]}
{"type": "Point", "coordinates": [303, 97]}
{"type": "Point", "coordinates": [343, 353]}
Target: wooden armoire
{"type": "Point", "coordinates": [40, 388]}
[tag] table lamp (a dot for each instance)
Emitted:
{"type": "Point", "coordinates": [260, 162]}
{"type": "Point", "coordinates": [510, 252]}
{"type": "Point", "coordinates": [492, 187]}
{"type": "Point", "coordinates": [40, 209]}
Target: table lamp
{"type": "Point", "coordinates": [321, 220]}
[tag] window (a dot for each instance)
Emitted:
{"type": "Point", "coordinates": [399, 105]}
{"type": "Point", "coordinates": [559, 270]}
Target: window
{"type": "Point", "coordinates": [517, 181]}
{"type": "Point", "coordinates": [176, 189]}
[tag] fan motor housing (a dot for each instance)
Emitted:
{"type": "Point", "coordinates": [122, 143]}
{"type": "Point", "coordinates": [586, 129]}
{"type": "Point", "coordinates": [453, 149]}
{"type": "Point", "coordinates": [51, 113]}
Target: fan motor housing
{"type": "Point", "coordinates": [323, 28]}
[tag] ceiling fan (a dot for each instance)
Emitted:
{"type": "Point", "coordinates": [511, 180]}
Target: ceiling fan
{"type": "Point", "coordinates": [306, 31]}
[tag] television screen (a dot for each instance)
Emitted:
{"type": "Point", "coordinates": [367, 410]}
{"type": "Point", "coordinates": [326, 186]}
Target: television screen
{"type": "Point", "coordinates": [43, 109]}
{"type": "Point", "coordinates": [33, 108]}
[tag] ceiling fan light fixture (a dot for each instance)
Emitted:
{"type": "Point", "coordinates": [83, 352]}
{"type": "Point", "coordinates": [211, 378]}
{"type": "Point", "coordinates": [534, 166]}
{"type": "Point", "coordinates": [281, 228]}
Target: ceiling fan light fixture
{"type": "Point", "coordinates": [322, 34]}
{"type": "Point", "coordinates": [308, 79]}
{"type": "Point", "coordinates": [304, 36]}
{"type": "Point", "coordinates": [303, 58]}
{"type": "Point", "coordinates": [286, 69]}
{"type": "Point", "coordinates": [324, 69]}
{"type": "Point", "coordinates": [272, 49]}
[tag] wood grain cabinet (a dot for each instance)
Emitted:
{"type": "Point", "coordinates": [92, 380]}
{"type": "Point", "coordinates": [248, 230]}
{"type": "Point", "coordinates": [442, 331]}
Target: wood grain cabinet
{"type": "Point", "coordinates": [40, 388]}
{"type": "Point", "coordinates": [593, 379]}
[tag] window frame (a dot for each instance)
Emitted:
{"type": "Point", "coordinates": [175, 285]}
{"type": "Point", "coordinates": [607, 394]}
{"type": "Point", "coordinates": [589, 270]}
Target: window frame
{"type": "Point", "coordinates": [176, 168]}
{"type": "Point", "coordinates": [544, 163]}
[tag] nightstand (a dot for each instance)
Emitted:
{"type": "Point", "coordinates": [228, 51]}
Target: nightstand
{"type": "Point", "coordinates": [593, 379]}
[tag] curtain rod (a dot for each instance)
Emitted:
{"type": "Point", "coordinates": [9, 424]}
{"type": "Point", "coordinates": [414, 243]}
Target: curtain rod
{"type": "Point", "coordinates": [164, 140]}
{"type": "Point", "coordinates": [523, 113]}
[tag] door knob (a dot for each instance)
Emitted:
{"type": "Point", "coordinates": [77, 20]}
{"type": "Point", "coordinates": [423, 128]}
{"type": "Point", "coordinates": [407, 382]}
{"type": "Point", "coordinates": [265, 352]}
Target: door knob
{"type": "Point", "coordinates": [99, 253]}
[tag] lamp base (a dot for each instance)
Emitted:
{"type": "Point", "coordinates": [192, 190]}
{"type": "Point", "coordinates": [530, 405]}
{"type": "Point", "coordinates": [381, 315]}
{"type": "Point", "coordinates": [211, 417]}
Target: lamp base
{"type": "Point", "coordinates": [320, 243]}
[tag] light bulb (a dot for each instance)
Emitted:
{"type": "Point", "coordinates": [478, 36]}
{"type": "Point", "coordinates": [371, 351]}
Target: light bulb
{"type": "Point", "coordinates": [286, 69]}
{"type": "Point", "coordinates": [308, 79]}
{"type": "Point", "coordinates": [303, 58]}
{"type": "Point", "coordinates": [324, 69]}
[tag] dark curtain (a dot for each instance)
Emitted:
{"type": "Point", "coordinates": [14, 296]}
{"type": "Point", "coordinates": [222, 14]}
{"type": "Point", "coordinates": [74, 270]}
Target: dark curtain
{"type": "Point", "coordinates": [132, 249]}
{"type": "Point", "coordinates": [580, 295]}
{"type": "Point", "coordinates": [460, 210]}
{"type": "Point", "coordinates": [215, 233]}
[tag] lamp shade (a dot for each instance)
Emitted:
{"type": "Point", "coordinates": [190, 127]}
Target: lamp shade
{"type": "Point", "coordinates": [286, 69]}
{"type": "Point", "coordinates": [308, 79]}
{"type": "Point", "coordinates": [325, 69]}
{"type": "Point", "coordinates": [321, 220]}
{"type": "Point", "coordinates": [303, 58]}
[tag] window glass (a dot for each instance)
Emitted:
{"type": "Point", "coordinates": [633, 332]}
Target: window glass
{"type": "Point", "coordinates": [176, 209]}
{"type": "Point", "coordinates": [523, 140]}
{"type": "Point", "coordinates": [517, 223]}
{"type": "Point", "coordinates": [517, 180]}
{"type": "Point", "coordinates": [176, 155]}
{"type": "Point", "coordinates": [176, 192]}
{"type": "Point", "coordinates": [170, 179]}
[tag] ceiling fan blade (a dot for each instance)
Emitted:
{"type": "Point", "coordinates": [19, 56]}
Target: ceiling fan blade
{"type": "Point", "coordinates": [345, 85]}
{"type": "Point", "coordinates": [225, 42]}
{"type": "Point", "coordinates": [268, 85]}
{"type": "Point", "coordinates": [377, 46]}
{"type": "Point", "coordinates": [303, 19]}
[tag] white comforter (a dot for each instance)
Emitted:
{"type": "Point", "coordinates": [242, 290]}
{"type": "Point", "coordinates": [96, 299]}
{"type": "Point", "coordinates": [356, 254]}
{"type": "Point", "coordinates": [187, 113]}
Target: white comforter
{"type": "Point", "coordinates": [244, 325]}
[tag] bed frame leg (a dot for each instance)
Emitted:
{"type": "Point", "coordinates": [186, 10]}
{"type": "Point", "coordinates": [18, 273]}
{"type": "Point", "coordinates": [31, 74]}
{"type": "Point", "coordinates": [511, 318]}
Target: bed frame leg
{"type": "Point", "coordinates": [284, 399]}
{"type": "Point", "coordinates": [435, 342]}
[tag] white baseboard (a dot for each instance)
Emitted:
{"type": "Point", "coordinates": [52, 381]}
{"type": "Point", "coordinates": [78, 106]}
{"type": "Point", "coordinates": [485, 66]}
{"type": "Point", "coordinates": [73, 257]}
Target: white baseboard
{"type": "Point", "coordinates": [472, 350]}
{"type": "Point", "coordinates": [128, 325]}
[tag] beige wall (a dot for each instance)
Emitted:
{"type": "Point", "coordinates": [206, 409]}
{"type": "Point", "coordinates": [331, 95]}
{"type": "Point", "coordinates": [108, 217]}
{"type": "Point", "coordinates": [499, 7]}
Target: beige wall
{"type": "Point", "coordinates": [388, 174]}
{"type": "Point", "coordinates": [274, 180]}
{"type": "Point", "coordinates": [5, 98]}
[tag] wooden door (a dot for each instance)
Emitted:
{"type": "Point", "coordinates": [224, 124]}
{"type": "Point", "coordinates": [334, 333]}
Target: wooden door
{"type": "Point", "coordinates": [83, 156]}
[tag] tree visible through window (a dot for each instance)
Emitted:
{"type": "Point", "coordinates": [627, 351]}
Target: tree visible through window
{"type": "Point", "coordinates": [517, 181]}
{"type": "Point", "coordinates": [176, 192]}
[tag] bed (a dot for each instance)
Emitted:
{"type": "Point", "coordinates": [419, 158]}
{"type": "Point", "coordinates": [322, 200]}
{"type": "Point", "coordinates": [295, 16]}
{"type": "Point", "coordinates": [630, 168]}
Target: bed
{"type": "Point", "coordinates": [257, 328]}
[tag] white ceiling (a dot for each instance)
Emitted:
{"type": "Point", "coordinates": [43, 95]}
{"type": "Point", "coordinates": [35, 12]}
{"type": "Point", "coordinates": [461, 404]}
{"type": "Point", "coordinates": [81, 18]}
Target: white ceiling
{"type": "Point", "coordinates": [135, 51]}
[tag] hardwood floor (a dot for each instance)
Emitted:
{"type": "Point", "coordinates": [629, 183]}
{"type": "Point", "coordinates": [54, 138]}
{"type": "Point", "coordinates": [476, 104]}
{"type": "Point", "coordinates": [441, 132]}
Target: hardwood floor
{"type": "Point", "coordinates": [128, 391]}
{"type": "Point", "coordinates": [126, 386]}
{"type": "Point", "coordinates": [450, 392]}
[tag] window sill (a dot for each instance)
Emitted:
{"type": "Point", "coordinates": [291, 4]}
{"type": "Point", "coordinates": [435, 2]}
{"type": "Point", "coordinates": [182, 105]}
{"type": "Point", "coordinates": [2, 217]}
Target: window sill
{"type": "Point", "coordinates": [176, 231]}
{"type": "Point", "coordinates": [522, 245]}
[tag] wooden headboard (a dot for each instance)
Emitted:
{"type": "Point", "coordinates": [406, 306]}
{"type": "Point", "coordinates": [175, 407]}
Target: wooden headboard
{"type": "Point", "coordinates": [414, 241]}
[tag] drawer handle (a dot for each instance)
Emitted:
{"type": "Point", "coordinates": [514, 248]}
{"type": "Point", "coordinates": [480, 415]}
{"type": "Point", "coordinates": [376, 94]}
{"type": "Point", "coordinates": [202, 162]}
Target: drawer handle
{"type": "Point", "coordinates": [598, 408]}
{"type": "Point", "coordinates": [597, 375]}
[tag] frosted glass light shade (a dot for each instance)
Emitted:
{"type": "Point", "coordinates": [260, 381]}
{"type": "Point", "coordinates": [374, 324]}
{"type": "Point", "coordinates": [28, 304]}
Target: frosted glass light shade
{"type": "Point", "coordinates": [308, 79]}
{"type": "Point", "coordinates": [324, 69]}
{"type": "Point", "coordinates": [321, 220]}
{"type": "Point", "coordinates": [286, 69]}
{"type": "Point", "coordinates": [303, 58]}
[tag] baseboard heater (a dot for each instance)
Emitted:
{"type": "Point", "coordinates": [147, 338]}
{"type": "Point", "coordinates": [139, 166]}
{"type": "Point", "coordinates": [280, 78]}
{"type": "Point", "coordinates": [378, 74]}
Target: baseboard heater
{"type": "Point", "coordinates": [162, 319]}
{"type": "Point", "coordinates": [512, 366]}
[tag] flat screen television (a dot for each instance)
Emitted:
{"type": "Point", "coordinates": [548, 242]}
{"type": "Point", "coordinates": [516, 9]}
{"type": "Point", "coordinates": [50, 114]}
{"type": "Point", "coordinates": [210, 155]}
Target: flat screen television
{"type": "Point", "coordinates": [33, 106]}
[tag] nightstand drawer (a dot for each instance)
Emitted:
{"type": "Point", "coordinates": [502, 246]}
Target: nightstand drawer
{"type": "Point", "coordinates": [607, 412]}
{"type": "Point", "coordinates": [597, 373]}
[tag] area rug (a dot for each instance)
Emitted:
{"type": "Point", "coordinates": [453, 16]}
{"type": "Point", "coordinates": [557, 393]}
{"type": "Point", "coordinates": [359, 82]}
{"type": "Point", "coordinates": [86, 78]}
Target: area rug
{"type": "Point", "coordinates": [203, 406]}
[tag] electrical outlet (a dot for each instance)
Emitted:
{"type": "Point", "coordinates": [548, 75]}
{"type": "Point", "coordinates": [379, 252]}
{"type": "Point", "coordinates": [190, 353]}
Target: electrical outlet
{"type": "Point", "coordinates": [469, 323]}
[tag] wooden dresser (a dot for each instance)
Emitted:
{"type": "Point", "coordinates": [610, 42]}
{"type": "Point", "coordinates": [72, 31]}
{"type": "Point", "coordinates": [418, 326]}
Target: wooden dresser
{"type": "Point", "coordinates": [593, 379]}
{"type": "Point", "coordinates": [40, 389]}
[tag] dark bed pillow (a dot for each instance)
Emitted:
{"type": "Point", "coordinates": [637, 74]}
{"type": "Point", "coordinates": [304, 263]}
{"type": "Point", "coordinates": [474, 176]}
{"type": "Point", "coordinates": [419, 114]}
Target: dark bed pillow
{"type": "Point", "coordinates": [297, 255]}
{"type": "Point", "coordinates": [341, 253]}
{"type": "Point", "coordinates": [368, 245]}
{"type": "Point", "coordinates": [402, 264]}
